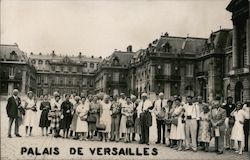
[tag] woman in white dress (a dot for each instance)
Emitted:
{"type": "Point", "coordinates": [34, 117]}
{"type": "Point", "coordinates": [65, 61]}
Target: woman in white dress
{"type": "Point", "coordinates": [124, 112]}
{"type": "Point", "coordinates": [173, 128]}
{"type": "Point", "coordinates": [30, 112]}
{"type": "Point", "coordinates": [82, 124]}
{"type": "Point", "coordinates": [106, 118]}
{"type": "Point", "coordinates": [180, 131]}
{"type": "Point", "coordinates": [129, 117]}
{"type": "Point", "coordinates": [237, 130]}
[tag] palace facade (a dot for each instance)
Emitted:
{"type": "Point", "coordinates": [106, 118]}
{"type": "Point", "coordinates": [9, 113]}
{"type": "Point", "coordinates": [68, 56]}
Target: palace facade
{"type": "Point", "coordinates": [215, 66]}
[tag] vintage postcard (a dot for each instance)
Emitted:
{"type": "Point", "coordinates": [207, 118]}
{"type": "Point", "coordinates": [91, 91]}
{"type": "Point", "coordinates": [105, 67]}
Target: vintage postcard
{"type": "Point", "coordinates": [124, 79]}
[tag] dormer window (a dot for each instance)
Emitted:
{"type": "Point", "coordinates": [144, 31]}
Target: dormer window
{"type": "Point", "coordinates": [85, 65]}
{"type": "Point", "coordinates": [92, 65]}
{"type": "Point", "coordinates": [33, 61]}
{"type": "Point", "coordinates": [13, 56]}
{"type": "Point", "coordinates": [166, 47]}
{"type": "Point", "coordinates": [40, 62]}
{"type": "Point", "coordinates": [116, 61]}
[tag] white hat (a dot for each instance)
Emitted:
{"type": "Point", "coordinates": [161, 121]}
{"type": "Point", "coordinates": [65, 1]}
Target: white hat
{"type": "Point", "coordinates": [161, 94]}
{"type": "Point", "coordinates": [144, 95]}
{"type": "Point", "coordinates": [56, 94]}
{"type": "Point", "coordinates": [132, 96]}
{"type": "Point", "coordinates": [15, 90]}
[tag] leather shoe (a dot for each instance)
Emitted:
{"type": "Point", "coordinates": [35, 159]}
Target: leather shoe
{"type": "Point", "coordinates": [157, 142]}
{"type": "Point", "coordinates": [9, 136]}
{"type": "Point", "coordinates": [18, 135]}
{"type": "Point", "coordinates": [220, 152]}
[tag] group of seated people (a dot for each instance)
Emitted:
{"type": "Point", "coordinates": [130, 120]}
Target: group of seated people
{"type": "Point", "coordinates": [181, 126]}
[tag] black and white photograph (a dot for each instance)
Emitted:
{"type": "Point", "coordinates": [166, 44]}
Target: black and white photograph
{"type": "Point", "coordinates": [124, 79]}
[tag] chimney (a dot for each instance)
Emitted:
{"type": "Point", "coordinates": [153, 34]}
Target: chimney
{"type": "Point", "coordinates": [129, 48]}
{"type": "Point", "coordinates": [80, 54]}
{"type": "Point", "coordinates": [166, 34]}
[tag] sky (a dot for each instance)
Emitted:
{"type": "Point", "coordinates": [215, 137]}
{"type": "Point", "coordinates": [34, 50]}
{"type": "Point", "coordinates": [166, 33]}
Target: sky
{"type": "Point", "coordinates": [98, 27]}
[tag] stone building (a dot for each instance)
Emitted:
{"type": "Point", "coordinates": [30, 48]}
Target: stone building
{"type": "Point", "coordinates": [239, 75]}
{"type": "Point", "coordinates": [111, 75]}
{"type": "Point", "coordinates": [15, 71]}
{"type": "Point", "coordinates": [65, 74]}
{"type": "Point", "coordinates": [167, 65]}
{"type": "Point", "coordinates": [213, 65]}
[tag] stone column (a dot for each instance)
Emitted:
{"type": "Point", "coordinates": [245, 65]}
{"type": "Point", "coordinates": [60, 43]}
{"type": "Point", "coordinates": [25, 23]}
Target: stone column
{"type": "Point", "coordinates": [132, 82]}
{"type": "Point", "coordinates": [152, 83]}
{"type": "Point", "coordinates": [10, 88]}
{"type": "Point", "coordinates": [248, 41]}
{"type": "Point", "coordinates": [23, 82]}
{"type": "Point", "coordinates": [104, 83]}
{"type": "Point", "coordinates": [235, 50]}
{"type": "Point", "coordinates": [152, 78]}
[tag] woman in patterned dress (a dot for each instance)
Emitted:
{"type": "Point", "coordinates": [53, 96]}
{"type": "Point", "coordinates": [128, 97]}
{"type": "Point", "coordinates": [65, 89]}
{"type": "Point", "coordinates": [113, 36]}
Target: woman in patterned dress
{"type": "Point", "coordinates": [44, 121]}
{"type": "Point", "coordinates": [30, 112]}
{"type": "Point", "coordinates": [55, 116]}
{"type": "Point", "coordinates": [66, 109]}
{"type": "Point", "coordinates": [204, 130]}
{"type": "Point", "coordinates": [129, 111]}
{"type": "Point", "coordinates": [93, 116]}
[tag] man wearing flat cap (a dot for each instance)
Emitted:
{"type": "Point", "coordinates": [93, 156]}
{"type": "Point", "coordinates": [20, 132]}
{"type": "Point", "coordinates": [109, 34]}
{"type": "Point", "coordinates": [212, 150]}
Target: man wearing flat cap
{"type": "Point", "coordinates": [12, 108]}
{"type": "Point", "coordinates": [145, 118]}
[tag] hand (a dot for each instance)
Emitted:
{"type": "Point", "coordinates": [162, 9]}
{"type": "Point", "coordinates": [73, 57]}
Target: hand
{"type": "Point", "coordinates": [241, 122]}
{"type": "Point", "coordinates": [67, 111]}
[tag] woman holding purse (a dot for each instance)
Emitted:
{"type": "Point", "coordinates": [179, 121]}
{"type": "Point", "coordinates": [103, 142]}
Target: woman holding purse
{"type": "Point", "coordinates": [44, 121]}
{"type": "Point", "coordinates": [82, 124]}
{"type": "Point", "coordinates": [30, 113]}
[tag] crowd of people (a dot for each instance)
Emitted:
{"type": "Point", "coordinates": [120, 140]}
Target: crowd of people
{"type": "Point", "coordinates": [181, 125]}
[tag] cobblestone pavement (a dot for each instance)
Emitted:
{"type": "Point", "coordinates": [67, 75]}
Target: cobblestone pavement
{"type": "Point", "coordinates": [11, 147]}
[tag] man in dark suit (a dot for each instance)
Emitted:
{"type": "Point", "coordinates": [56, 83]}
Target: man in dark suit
{"type": "Point", "coordinates": [14, 103]}
{"type": "Point", "coordinates": [229, 107]}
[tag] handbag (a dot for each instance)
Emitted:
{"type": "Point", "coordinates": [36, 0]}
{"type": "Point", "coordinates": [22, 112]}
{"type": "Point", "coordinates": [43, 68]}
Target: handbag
{"type": "Point", "coordinates": [175, 121]}
{"type": "Point", "coordinates": [161, 114]}
{"type": "Point", "coordinates": [83, 117]}
{"type": "Point", "coordinates": [231, 121]}
{"type": "Point", "coordinates": [167, 121]}
{"type": "Point", "coordinates": [130, 122]}
{"type": "Point", "coordinates": [100, 126]}
{"type": "Point", "coordinates": [91, 118]}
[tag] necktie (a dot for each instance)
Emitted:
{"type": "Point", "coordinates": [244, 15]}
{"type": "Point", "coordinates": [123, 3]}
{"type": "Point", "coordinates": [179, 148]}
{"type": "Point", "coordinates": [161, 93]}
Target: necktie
{"type": "Point", "coordinates": [142, 106]}
{"type": "Point", "coordinates": [161, 103]}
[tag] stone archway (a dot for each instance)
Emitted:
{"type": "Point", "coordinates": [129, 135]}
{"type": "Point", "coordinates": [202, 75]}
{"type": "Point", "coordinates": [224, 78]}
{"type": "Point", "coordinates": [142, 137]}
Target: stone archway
{"type": "Point", "coordinates": [239, 92]}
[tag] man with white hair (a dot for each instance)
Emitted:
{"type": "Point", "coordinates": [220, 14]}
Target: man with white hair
{"type": "Point", "coordinates": [145, 117]}
{"type": "Point", "coordinates": [160, 110]}
{"type": "Point", "coordinates": [13, 105]}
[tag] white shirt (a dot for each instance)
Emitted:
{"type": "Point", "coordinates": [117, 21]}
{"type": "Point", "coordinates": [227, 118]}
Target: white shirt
{"type": "Point", "coordinates": [158, 106]}
{"type": "Point", "coordinates": [54, 103]}
{"type": "Point", "coordinates": [143, 106]}
{"type": "Point", "coordinates": [247, 111]}
{"type": "Point", "coordinates": [122, 101]}
{"type": "Point", "coordinates": [192, 110]}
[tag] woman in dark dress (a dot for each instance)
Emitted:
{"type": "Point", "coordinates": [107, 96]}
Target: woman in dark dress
{"type": "Point", "coordinates": [66, 110]}
{"type": "Point", "coordinates": [44, 121]}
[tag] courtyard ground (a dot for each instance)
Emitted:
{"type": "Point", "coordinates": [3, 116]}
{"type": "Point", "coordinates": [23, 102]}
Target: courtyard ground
{"type": "Point", "coordinates": [11, 147]}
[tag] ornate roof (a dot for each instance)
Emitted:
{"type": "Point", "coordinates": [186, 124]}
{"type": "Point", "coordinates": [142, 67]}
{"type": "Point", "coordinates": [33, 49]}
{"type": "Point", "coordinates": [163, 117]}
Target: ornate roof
{"type": "Point", "coordinates": [12, 53]}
